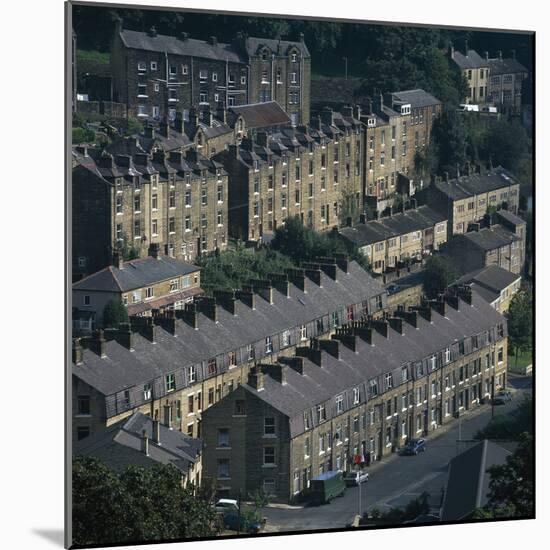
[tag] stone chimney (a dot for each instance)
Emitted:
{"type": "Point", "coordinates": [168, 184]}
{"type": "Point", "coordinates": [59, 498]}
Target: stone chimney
{"type": "Point", "coordinates": [97, 343]}
{"type": "Point", "coordinates": [295, 363]}
{"type": "Point", "coordinates": [349, 221]}
{"type": "Point", "coordinates": [314, 355]}
{"type": "Point", "coordinates": [179, 124]}
{"type": "Point", "coordinates": [156, 432]}
{"type": "Point", "coordinates": [315, 274]}
{"type": "Point", "coordinates": [396, 323]}
{"type": "Point", "coordinates": [332, 347]}
{"type": "Point", "coordinates": [167, 415]}
{"type": "Point", "coordinates": [413, 204]}
{"type": "Point", "coordinates": [362, 218]}
{"type": "Point", "coordinates": [411, 317]}
{"type": "Point", "coordinates": [328, 266]}
{"type": "Point", "coordinates": [486, 55]}
{"type": "Point", "coordinates": [263, 288]}
{"type": "Point", "coordinates": [277, 372]}
{"type": "Point", "coordinates": [145, 327]}
{"type": "Point", "coordinates": [246, 296]}
{"type": "Point", "coordinates": [124, 336]}
{"type": "Point", "coordinates": [347, 110]}
{"type": "Point", "coordinates": [357, 112]}
{"type": "Point", "coordinates": [500, 55]}
{"type": "Point", "coordinates": [118, 259]}
{"type": "Point", "coordinates": [77, 351]}
{"type": "Point", "coordinates": [466, 48]}
{"type": "Point", "coordinates": [208, 307]}
{"type": "Point", "coordinates": [227, 299]}
{"type": "Point", "coordinates": [166, 320]}
{"type": "Point", "coordinates": [154, 250]}
{"type": "Point", "coordinates": [213, 41]}
{"type": "Point", "coordinates": [256, 378]}
{"type": "Point", "coordinates": [221, 113]}
{"type": "Point", "coordinates": [327, 116]}
{"type": "Point", "coordinates": [184, 36]}
{"type": "Point", "coordinates": [342, 262]}
{"type": "Point", "coordinates": [189, 314]}
{"type": "Point", "coordinates": [298, 278]}
{"type": "Point", "coordinates": [301, 37]}
{"type": "Point", "coordinates": [280, 282]}
{"type": "Point", "coordinates": [144, 443]}
{"type": "Point", "coordinates": [439, 305]}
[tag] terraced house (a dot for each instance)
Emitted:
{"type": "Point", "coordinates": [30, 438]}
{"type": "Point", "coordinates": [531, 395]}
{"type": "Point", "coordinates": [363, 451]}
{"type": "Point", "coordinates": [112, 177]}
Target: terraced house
{"type": "Point", "coordinates": [407, 235]}
{"type": "Point", "coordinates": [128, 202]}
{"type": "Point", "coordinates": [309, 171]}
{"type": "Point", "coordinates": [159, 76]}
{"type": "Point", "coordinates": [465, 199]}
{"type": "Point", "coordinates": [395, 131]}
{"type": "Point", "coordinates": [357, 396]}
{"type": "Point", "coordinates": [188, 359]}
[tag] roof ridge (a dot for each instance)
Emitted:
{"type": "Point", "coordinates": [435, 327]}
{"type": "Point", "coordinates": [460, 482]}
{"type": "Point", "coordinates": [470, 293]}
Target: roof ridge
{"type": "Point", "coordinates": [117, 282]}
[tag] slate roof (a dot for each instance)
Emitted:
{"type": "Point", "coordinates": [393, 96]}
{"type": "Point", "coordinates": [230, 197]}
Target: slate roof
{"type": "Point", "coordinates": [468, 186]}
{"type": "Point", "coordinates": [122, 368]}
{"type": "Point", "coordinates": [135, 274]}
{"type": "Point", "coordinates": [491, 277]}
{"type": "Point", "coordinates": [505, 66]}
{"type": "Point", "coordinates": [471, 61]}
{"type": "Point", "coordinates": [385, 228]}
{"type": "Point", "coordinates": [489, 238]}
{"type": "Point", "coordinates": [173, 45]}
{"type": "Point", "coordinates": [320, 384]}
{"type": "Point", "coordinates": [262, 115]}
{"type": "Point", "coordinates": [510, 217]}
{"type": "Point", "coordinates": [417, 98]}
{"type": "Point", "coordinates": [253, 44]}
{"type": "Point", "coordinates": [468, 482]}
{"type": "Point", "coordinates": [119, 445]}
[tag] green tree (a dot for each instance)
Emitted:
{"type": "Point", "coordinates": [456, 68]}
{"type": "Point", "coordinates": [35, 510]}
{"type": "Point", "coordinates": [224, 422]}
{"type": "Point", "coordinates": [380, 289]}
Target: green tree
{"type": "Point", "coordinates": [134, 126]}
{"type": "Point", "coordinates": [140, 504]}
{"type": "Point", "coordinates": [512, 484]}
{"type": "Point", "coordinates": [439, 273]}
{"type": "Point", "coordinates": [114, 313]}
{"type": "Point", "coordinates": [520, 322]}
{"type": "Point", "coordinates": [509, 426]}
{"type": "Point", "coordinates": [82, 135]}
{"type": "Point", "coordinates": [450, 142]}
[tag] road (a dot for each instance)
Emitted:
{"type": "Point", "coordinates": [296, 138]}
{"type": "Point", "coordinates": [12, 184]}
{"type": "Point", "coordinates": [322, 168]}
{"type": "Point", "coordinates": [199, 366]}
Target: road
{"type": "Point", "coordinates": [398, 479]}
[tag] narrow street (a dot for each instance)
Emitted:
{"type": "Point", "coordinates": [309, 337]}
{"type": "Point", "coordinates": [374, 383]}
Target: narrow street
{"type": "Point", "coordinates": [398, 479]}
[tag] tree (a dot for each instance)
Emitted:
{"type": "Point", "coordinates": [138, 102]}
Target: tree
{"type": "Point", "coordinates": [114, 313]}
{"type": "Point", "coordinates": [134, 126]}
{"type": "Point", "coordinates": [450, 142]}
{"type": "Point", "coordinates": [140, 504]}
{"type": "Point", "coordinates": [520, 322]}
{"type": "Point", "coordinates": [439, 273]}
{"type": "Point", "coordinates": [510, 426]}
{"type": "Point", "coordinates": [82, 135]}
{"type": "Point", "coordinates": [512, 484]}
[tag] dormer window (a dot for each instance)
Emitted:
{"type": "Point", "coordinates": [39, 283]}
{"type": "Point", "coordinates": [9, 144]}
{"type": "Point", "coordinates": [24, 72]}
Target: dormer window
{"type": "Point", "coordinates": [264, 55]}
{"type": "Point", "coordinates": [371, 122]}
{"type": "Point", "coordinates": [405, 109]}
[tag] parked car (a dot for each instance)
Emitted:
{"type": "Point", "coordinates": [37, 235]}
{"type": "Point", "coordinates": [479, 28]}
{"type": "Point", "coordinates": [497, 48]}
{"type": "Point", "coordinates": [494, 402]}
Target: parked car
{"type": "Point", "coordinates": [501, 397]}
{"type": "Point", "coordinates": [489, 109]}
{"type": "Point", "coordinates": [413, 447]}
{"type": "Point", "coordinates": [468, 107]}
{"type": "Point", "coordinates": [224, 505]}
{"type": "Point", "coordinates": [231, 521]}
{"type": "Point", "coordinates": [356, 477]}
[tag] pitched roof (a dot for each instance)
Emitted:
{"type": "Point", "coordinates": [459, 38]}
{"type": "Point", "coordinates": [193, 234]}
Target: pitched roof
{"type": "Point", "coordinates": [491, 277]}
{"type": "Point", "coordinates": [417, 98]}
{"type": "Point", "coordinates": [253, 45]}
{"type": "Point", "coordinates": [262, 115]}
{"type": "Point", "coordinates": [468, 482]}
{"type": "Point", "coordinates": [122, 368]}
{"type": "Point", "coordinates": [173, 45]}
{"type": "Point", "coordinates": [355, 368]}
{"type": "Point", "coordinates": [470, 61]}
{"type": "Point", "coordinates": [398, 224]}
{"type": "Point", "coordinates": [468, 186]}
{"type": "Point", "coordinates": [489, 238]}
{"type": "Point", "coordinates": [119, 445]}
{"type": "Point", "coordinates": [135, 274]}
{"type": "Point", "coordinates": [505, 66]}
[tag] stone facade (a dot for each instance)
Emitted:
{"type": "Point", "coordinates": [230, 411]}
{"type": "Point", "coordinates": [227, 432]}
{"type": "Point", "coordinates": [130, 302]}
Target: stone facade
{"type": "Point", "coordinates": [174, 200]}
{"type": "Point", "coordinates": [208, 347]}
{"type": "Point", "coordinates": [253, 441]}
{"type": "Point", "coordinates": [159, 76]}
{"type": "Point", "coordinates": [308, 171]}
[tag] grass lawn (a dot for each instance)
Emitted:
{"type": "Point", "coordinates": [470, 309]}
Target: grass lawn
{"type": "Point", "coordinates": [523, 360]}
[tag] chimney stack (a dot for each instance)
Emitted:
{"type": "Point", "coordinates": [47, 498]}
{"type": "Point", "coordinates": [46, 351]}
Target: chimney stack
{"type": "Point", "coordinates": [77, 351]}
{"type": "Point", "coordinates": [124, 336]}
{"type": "Point", "coordinates": [500, 55]}
{"type": "Point", "coordinates": [213, 40]}
{"type": "Point", "coordinates": [97, 343]}
{"type": "Point", "coordinates": [208, 307]}
{"type": "Point", "coordinates": [179, 124]}
{"type": "Point", "coordinates": [362, 218]}
{"type": "Point", "coordinates": [144, 443]}
{"type": "Point", "coordinates": [277, 371]}
{"type": "Point", "coordinates": [221, 113]}
{"type": "Point", "coordinates": [156, 432]}
{"type": "Point", "coordinates": [167, 412]}
{"type": "Point", "coordinates": [246, 295]}
{"type": "Point", "coordinates": [327, 116]}
{"type": "Point", "coordinates": [256, 378]}
{"type": "Point", "coordinates": [332, 347]}
{"type": "Point", "coordinates": [154, 250]}
{"type": "Point", "coordinates": [118, 259]}
{"type": "Point", "coordinates": [297, 277]}
{"type": "Point", "coordinates": [342, 262]}
{"type": "Point", "coordinates": [189, 314]}
{"type": "Point", "coordinates": [227, 299]}
{"type": "Point", "coordinates": [280, 282]}
{"type": "Point", "coordinates": [486, 56]}
{"type": "Point", "coordinates": [451, 50]}
{"type": "Point", "coordinates": [263, 288]}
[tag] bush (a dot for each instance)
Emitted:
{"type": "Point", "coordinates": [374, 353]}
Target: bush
{"type": "Point", "coordinates": [82, 135]}
{"type": "Point", "coordinates": [114, 313]}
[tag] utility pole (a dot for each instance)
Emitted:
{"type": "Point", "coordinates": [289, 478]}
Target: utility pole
{"type": "Point", "coordinates": [346, 66]}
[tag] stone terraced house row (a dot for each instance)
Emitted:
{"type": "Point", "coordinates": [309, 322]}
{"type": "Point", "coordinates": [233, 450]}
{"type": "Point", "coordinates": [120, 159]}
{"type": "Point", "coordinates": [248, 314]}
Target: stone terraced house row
{"type": "Point", "coordinates": [389, 242]}
{"type": "Point", "coordinates": [354, 398]}
{"type": "Point", "coordinates": [130, 201]}
{"type": "Point", "coordinates": [464, 200]}
{"type": "Point", "coordinates": [159, 76]}
{"type": "Point", "coordinates": [188, 359]}
{"type": "Point", "coordinates": [156, 282]}
{"type": "Point", "coordinates": [309, 171]}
